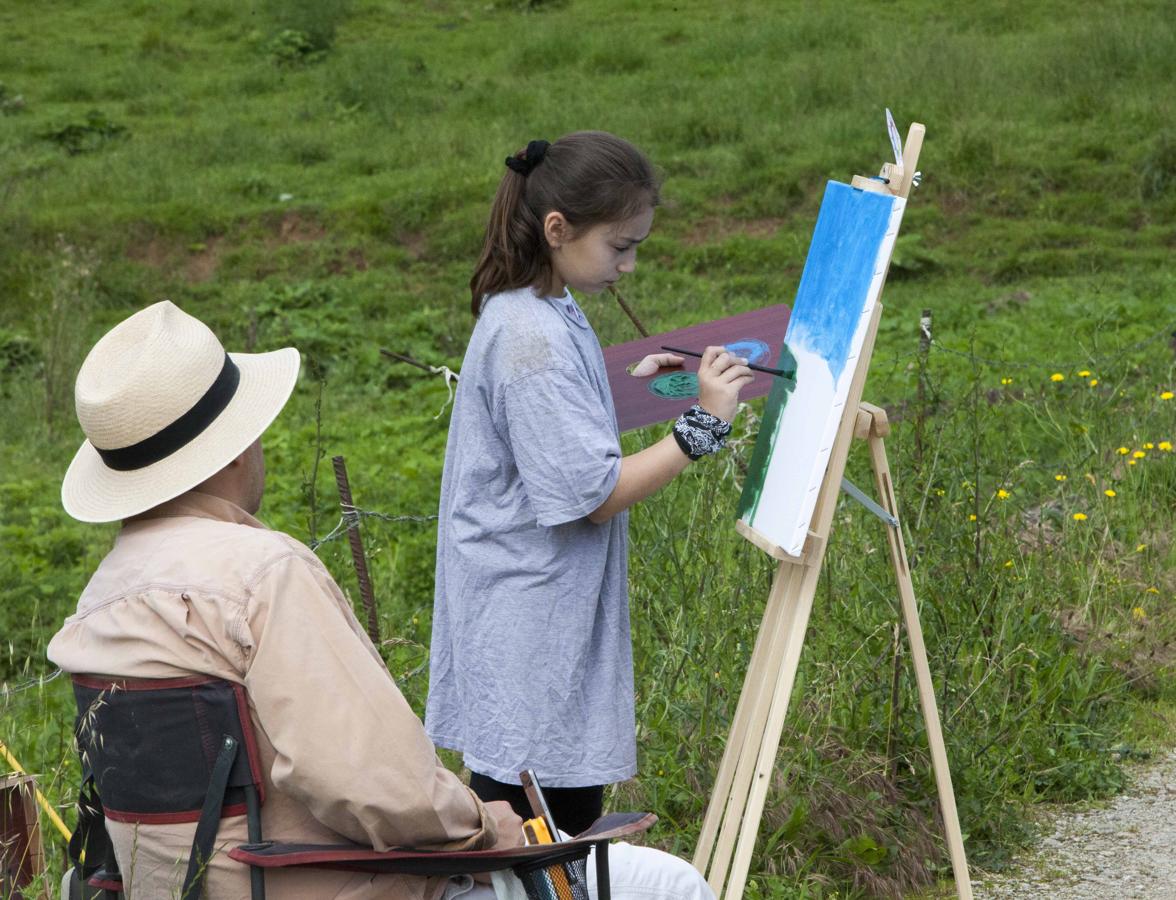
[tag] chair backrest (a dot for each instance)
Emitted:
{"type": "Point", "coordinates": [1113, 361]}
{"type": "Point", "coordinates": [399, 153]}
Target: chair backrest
{"type": "Point", "coordinates": [152, 745]}
{"type": "Point", "coordinates": [164, 751]}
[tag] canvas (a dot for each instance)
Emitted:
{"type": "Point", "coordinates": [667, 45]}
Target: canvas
{"type": "Point", "coordinates": [842, 280]}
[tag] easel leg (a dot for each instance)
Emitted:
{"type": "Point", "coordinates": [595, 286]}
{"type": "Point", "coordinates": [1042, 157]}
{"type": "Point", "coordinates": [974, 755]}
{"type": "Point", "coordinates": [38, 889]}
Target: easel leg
{"type": "Point", "coordinates": [749, 697]}
{"type": "Point", "coordinates": [910, 614]}
{"type": "Point", "coordinates": [730, 792]}
{"type": "Point", "coordinates": [799, 605]}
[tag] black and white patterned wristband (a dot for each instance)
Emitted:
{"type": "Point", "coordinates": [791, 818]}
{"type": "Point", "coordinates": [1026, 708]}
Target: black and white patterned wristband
{"type": "Point", "coordinates": [699, 433]}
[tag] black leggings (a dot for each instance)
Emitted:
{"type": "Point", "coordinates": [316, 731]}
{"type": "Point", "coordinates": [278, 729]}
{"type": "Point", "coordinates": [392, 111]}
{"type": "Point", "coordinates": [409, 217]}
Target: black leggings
{"type": "Point", "coordinates": [573, 809]}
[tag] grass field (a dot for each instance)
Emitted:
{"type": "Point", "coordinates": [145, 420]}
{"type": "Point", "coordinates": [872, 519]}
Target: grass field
{"type": "Point", "coordinates": [318, 173]}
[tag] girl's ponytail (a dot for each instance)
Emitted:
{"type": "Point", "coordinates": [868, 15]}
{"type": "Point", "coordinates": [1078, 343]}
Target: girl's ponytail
{"type": "Point", "coordinates": [589, 176]}
{"type": "Point", "coordinates": [514, 252]}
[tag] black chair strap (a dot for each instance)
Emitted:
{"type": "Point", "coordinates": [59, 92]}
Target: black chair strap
{"type": "Point", "coordinates": [209, 823]}
{"type": "Point", "coordinates": [603, 889]}
{"type": "Point", "coordinates": [91, 851]}
{"type": "Point", "coordinates": [89, 846]}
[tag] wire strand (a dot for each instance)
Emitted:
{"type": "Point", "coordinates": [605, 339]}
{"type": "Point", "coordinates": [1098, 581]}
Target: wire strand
{"type": "Point", "coordinates": [353, 516]}
{"type": "Point", "coordinates": [7, 690]}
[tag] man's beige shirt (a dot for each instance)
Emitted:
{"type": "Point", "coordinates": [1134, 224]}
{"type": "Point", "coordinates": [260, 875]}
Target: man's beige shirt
{"type": "Point", "coordinates": [199, 585]}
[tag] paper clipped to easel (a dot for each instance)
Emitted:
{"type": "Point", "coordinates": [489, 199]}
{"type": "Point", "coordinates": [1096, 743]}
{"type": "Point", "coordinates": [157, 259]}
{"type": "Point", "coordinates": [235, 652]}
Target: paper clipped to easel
{"type": "Point", "coordinates": [895, 139]}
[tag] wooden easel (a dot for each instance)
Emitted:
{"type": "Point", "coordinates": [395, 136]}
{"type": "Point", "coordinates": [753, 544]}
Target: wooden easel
{"type": "Point", "coordinates": [737, 802]}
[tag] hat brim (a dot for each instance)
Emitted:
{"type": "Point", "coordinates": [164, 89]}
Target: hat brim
{"type": "Point", "coordinates": [93, 492]}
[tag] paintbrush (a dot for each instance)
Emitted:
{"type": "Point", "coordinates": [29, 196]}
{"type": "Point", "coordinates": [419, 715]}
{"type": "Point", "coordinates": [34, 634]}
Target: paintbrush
{"type": "Point", "coordinates": [779, 372]}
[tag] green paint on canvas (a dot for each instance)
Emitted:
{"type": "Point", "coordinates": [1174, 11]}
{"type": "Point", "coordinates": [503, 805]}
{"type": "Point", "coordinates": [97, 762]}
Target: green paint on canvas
{"type": "Point", "coordinates": [773, 414]}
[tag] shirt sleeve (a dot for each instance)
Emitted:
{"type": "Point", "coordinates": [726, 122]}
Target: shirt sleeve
{"type": "Point", "coordinates": [347, 743]}
{"type": "Point", "coordinates": [563, 443]}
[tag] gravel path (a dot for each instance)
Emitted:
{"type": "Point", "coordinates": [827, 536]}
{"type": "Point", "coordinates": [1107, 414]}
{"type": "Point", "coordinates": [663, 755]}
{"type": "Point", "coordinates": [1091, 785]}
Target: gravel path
{"type": "Point", "coordinates": [1126, 850]}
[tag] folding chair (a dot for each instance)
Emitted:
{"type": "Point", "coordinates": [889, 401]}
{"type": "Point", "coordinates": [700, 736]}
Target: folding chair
{"type": "Point", "coordinates": [158, 751]}
{"type": "Point", "coordinates": [164, 751]}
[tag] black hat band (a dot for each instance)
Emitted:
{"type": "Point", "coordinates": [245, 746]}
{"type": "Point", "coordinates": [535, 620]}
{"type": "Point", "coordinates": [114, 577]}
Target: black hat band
{"type": "Point", "coordinates": [183, 430]}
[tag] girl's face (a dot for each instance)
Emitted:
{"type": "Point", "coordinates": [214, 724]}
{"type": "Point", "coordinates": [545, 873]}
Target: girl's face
{"type": "Point", "coordinates": [592, 260]}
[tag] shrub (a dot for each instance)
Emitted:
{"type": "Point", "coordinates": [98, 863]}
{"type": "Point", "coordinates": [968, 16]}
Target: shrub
{"type": "Point", "coordinates": [292, 48]}
{"type": "Point", "coordinates": [86, 136]}
{"type": "Point", "coordinates": [1157, 174]}
{"type": "Point", "coordinates": [10, 104]}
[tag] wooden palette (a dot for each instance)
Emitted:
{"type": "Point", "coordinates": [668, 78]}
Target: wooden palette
{"type": "Point", "coordinates": [663, 396]}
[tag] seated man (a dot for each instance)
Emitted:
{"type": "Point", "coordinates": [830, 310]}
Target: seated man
{"type": "Point", "coordinates": [195, 584]}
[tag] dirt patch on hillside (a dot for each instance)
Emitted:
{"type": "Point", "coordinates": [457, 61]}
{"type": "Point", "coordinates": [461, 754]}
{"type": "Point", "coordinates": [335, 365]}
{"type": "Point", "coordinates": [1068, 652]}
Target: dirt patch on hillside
{"type": "Point", "coordinates": [298, 228]}
{"type": "Point", "coordinates": [713, 229]}
{"type": "Point", "coordinates": [414, 243]}
{"type": "Point", "coordinates": [203, 263]}
{"type": "Point", "coordinates": [200, 261]}
{"type": "Point", "coordinates": [195, 262]}
{"type": "Point", "coordinates": [352, 260]}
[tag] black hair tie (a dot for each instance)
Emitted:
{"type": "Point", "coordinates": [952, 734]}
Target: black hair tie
{"type": "Point", "coordinates": [533, 155]}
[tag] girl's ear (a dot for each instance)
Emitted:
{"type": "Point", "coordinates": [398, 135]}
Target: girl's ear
{"type": "Point", "coordinates": [556, 229]}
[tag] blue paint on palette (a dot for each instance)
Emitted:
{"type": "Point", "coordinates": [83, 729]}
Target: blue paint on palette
{"type": "Point", "coordinates": [749, 348]}
{"type": "Point", "coordinates": [837, 274]}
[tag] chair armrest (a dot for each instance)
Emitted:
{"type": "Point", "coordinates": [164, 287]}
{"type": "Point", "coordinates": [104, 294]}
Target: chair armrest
{"type": "Point", "coordinates": [355, 857]}
{"type": "Point", "coordinates": [103, 880]}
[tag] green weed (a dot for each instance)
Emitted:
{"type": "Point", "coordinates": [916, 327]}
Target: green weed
{"type": "Point", "coordinates": [85, 136]}
{"type": "Point", "coordinates": [10, 104]}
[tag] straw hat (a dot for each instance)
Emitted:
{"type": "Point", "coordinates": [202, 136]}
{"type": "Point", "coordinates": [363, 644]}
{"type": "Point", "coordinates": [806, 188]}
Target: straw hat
{"type": "Point", "coordinates": [164, 407]}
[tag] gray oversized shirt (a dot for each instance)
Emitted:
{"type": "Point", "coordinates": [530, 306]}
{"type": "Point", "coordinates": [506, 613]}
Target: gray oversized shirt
{"type": "Point", "coordinates": [531, 658]}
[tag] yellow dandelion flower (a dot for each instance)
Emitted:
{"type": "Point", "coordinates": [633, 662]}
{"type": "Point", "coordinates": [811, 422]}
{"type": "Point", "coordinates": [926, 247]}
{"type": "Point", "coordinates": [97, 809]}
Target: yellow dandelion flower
{"type": "Point", "coordinates": [1109, 492]}
{"type": "Point", "coordinates": [1085, 373]}
{"type": "Point", "coordinates": [1057, 376]}
{"type": "Point", "coordinates": [1167, 395]}
{"type": "Point", "coordinates": [1149, 446]}
{"type": "Point", "coordinates": [971, 517]}
{"type": "Point", "coordinates": [1123, 451]}
{"type": "Point", "coordinates": [1130, 462]}
{"type": "Point", "coordinates": [1008, 564]}
{"type": "Point", "coordinates": [1059, 477]}
{"type": "Point", "coordinates": [1139, 454]}
{"type": "Point", "coordinates": [1152, 590]}
{"type": "Point", "coordinates": [1166, 446]}
{"type": "Point", "coordinates": [1002, 494]}
{"type": "Point", "coordinates": [1094, 382]}
{"type": "Point", "coordinates": [1006, 381]}
{"type": "Point", "coordinates": [1139, 548]}
{"type": "Point", "coordinates": [1139, 614]}
{"type": "Point", "coordinates": [1079, 517]}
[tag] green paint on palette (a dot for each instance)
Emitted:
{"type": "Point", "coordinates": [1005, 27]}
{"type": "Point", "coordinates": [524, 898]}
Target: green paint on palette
{"type": "Point", "coordinates": [753, 483]}
{"type": "Point", "coordinates": [675, 386]}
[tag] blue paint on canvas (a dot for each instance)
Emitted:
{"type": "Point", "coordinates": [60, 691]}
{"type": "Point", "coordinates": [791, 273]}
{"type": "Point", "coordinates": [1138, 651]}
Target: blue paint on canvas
{"type": "Point", "coordinates": [838, 271]}
{"type": "Point", "coordinates": [827, 318]}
